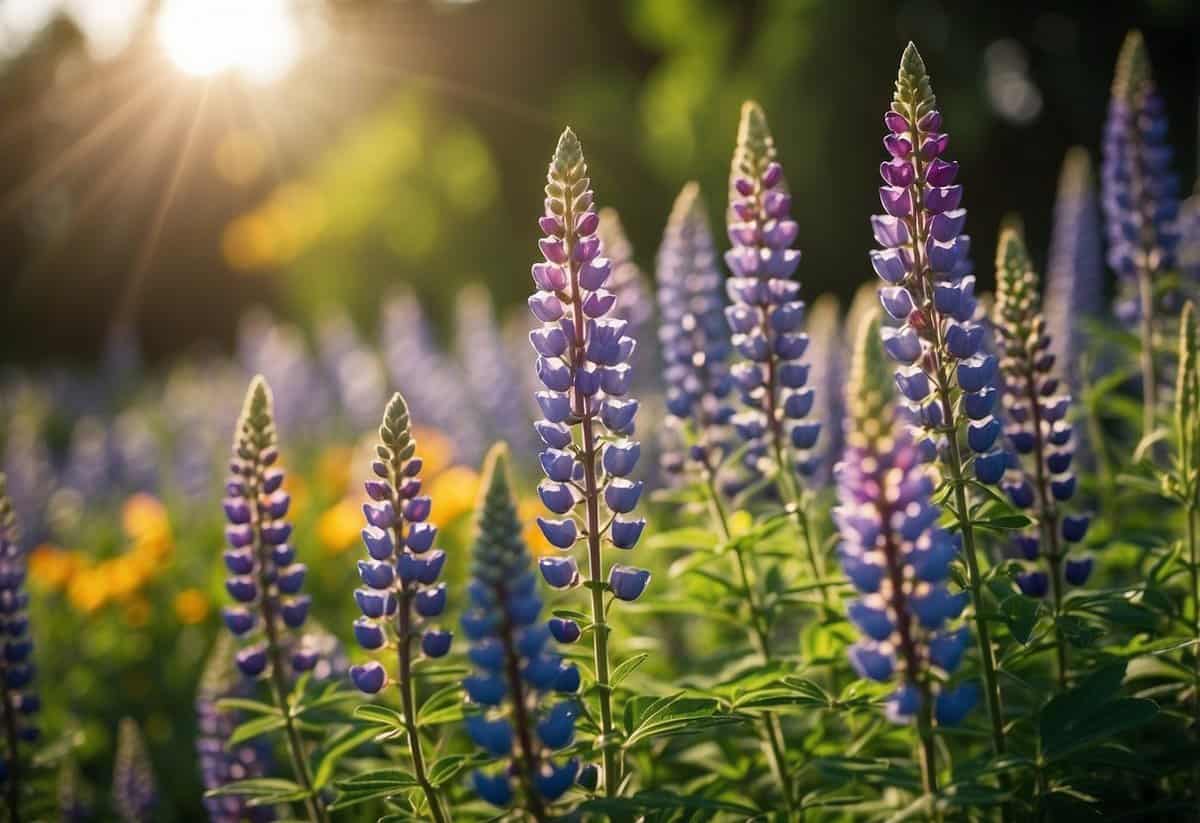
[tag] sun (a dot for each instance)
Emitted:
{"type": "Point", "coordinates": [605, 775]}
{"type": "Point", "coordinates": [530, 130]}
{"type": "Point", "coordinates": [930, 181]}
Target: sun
{"type": "Point", "coordinates": [257, 38]}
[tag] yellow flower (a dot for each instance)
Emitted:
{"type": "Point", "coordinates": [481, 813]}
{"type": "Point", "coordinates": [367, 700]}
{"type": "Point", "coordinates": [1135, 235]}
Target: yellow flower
{"type": "Point", "coordinates": [527, 511]}
{"type": "Point", "coordinates": [144, 516]}
{"type": "Point", "coordinates": [434, 449]}
{"type": "Point", "coordinates": [124, 575]}
{"type": "Point", "coordinates": [338, 526]}
{"type": "Point", "coordinates": [191, 606]}
{"type": "Point", "coordinates": [295, 486]}
{"type": "Point", "coordinates": [454, 492]}
{"type": "Point", "coordinates": [333, 467]}
{"type": "Point", "coordinates": [137, 612]}
{"type": "Point", "coordinates": [52, 567]}
{"type": "Point", "coordinates": [88, 591]}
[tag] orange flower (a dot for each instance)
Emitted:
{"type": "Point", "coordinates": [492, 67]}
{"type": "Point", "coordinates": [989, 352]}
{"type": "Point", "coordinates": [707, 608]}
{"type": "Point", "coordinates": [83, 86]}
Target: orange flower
{"type": "Point", "coordinates": [191, 606]}
{"type": "Point", "coordinates": [88, 591]}
{"type": "Point", "coordinates": [52, 567]}
{"type": "Point", "coordinates": [144, 516]}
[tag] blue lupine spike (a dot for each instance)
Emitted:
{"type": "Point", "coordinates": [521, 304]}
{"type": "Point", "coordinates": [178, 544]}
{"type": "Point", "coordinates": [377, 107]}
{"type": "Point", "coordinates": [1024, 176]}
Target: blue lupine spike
{"type": "Point", "coordinates": [262, 563]}
{"type": "Point", "coordinates": [16, 667]}
{"type": "Point", "coordinates": [889, 532]}
{"type": "Point", "coordinates": [402, 573]}
{"type": "Point", "coordinates": [514, 670]}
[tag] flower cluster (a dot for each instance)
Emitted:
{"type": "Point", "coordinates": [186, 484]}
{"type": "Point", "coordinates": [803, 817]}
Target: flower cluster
{"type": "Point", "coordinates": [19, 702]}
{"type": "Point", "coordinates": [1074, 272]}
{"type": "Point", "coordinates": [925, 261]}
{"type": "Point", "coordinates": [766, 314]}
{"type": "Point", "coordinates": [1140, 192]}
{"type": "Point", "coordinates": [219, 764]}
{"type": "Point", "coordinates": [583, 362]}
{"type": "Point", "coordinates": [264, 578]}
{"type": "Point", "coordinates": [400, 576]}
{"type": "Point", "coordinates": [692, 333]}
{"type": "Point", "coordinates": [827, 352]}
{"type": "Point", "coordinates": [515, 670]}
{"type": "Point", "coordinates": [894, 553]}
{"type": "Point", "coordinates": [1037, 413]}
{"type": "Point", "coordinates": [134, 791]}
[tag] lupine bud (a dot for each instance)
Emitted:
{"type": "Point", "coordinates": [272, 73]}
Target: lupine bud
{"type": "Point", "coordinates": [924, 254]}
{"type": "Point", "coordinates": [515, 673]}
{"type": "Point", "coordinates": [1030, 401]}
{"type": "Point", "coordinates": [1141, 192]}
{"type": "Point", "coordinates": [892, 549]}
{"type": "Point", "coordinates": [693, 335]}
{"type": "Point", "coordinates": [135, 791]}
{"type": "Point", "coordinates": [401, 590]}
{"type": "Point", "coordinates": [220, 765]}
{"type": "Point", "coordinates": [766, 314]}
{"type": "Point", "coordinates": [264, 576]}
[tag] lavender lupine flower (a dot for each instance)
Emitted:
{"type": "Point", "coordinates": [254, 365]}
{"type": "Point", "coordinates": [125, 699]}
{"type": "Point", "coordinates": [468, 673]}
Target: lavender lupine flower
{"type": "Point", "coordinates": [436, 393]}
{"type": "Point", "coordinates": [1141, 199]}
{"type": "Point", "coordinates": [18, 702]}
{"type": "Point", "coordinates": [826, 350]}
{"type": "Point", "coordinates": [1038, 429]}
{"type": "Point", "coordinates": [354, 370]}
{"type": "Point", "coordinates": [73, 797]}
{"type": "Point", "coordinates": [944, 376]}
{"type": "Point", "coordinates": [634, 304]}
{"type": "Point", "coordinates": [491, 375]}
{"type": "Point", "coordinates": [1188, 252]}
{"type": "Point", "coordinates": [1074, 273]}
{"type": "Point", "coordinates": [302, 398]}
{"type": "Point", "coordinates": [897, 557]}
{"type": "Point", "coordinates": [135, 791]}
{"type": "Point", "coordinates": [516, 672]}
{"type": "Point", "coordinates": [583, 361]}
{"type": "Point", "coordinates": [766, 314]}
{"type": "Point", "coordinates": [693, 335]}
{"type": "Point", "coordinates": [264, 578]}
{"type": "Point", "coordinates": [220, 765]}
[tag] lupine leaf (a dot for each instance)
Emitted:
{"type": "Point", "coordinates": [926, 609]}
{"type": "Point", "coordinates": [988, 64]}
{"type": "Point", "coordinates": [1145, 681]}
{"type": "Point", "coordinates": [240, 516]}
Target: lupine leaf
{"type": "Point", "coordinates": [268, 789]}
{"type": "Point", "coordinates": [255, 727]}
{"type": "Point", "coordinates": [242, 704]}
{"type": "Point", "coordinates": [626, 667]}
{"type": "Point", "coordinates": [688, 537]}
{"type": "Point", "coordinates": [350, 741]}
{"type": "Point", "coordinates": [375, 785]}
{"type": "Point", "coordinates": [622, 807]}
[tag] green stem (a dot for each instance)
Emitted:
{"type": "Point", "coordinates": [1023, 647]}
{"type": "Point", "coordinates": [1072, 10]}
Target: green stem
{"type": "Point", "coordinates": [1194, 557]}
{"type": "Point", "coordinates": [1149, 378]}
{"type": "Point", "coordinates": [409, 701]}
{"type": "Point", "coordinates": [929, 781]}
{"type": "Point", "coordinates": [772, 731]}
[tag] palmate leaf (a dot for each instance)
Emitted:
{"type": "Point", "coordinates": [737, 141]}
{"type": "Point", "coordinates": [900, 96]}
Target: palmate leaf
{"type": "Point", "coordinates": [1091, 713]}
{"type": "Point", "coordinates": [675, 714]}
{"type": "Point", "coordinates": [626, 667]}
{"type": "Point", "coordinates": [339, 746]}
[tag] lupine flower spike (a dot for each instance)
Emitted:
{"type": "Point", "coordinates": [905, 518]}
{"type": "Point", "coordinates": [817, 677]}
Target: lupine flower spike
{"type": "Point", "coordinates": [583, 362]}
{"type": "Point", "coordinates": [827, 353]}
{"type": "Point", "coordinates": [134, 792]}
{"type": "Point", "coordinates": [516, 672]}
{"type": "Point", "coordinates": [898, 558]}
{"type": "Point", "coordinates": [1141, 200]}
{"type": "Point", "coordinates": [634, 303]}
{"type": "Point", "coordinates": [19, 702]}
{"type": "Point", "coordinates": [265, 578]}
{"type": "Point", "coordinates": [766, 318]}
{"type": "Point", "coordinates": [219, 764]}
{"type": "Point", "coordinates": [1038, 429]}
{"type": "Point", "coordinates": [944, 376]}
{"type": "Point", "coordinates": [693, 337]}
{"type": "Point", "coordinates": [401, 595]}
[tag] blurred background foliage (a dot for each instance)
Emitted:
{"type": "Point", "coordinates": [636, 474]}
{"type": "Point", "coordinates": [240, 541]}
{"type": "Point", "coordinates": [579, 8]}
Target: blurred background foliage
{"type": "Point", "coordinates": [391, 142]}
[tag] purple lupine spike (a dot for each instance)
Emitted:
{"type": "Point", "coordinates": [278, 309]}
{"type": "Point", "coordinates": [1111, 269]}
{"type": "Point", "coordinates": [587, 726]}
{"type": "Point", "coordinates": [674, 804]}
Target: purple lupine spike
{"type": "Point", "coordinates": [1074, 274]}
{"type": "Point", "coordinates": [826, 352]}
{"type": "Point", "coordinates": [135, 791]}
{"type": "Point", "coordinates": [18, 701]}
{"type": "Point", "coordinates": [270, 608]}
{"type": "Point", "coordinates": [431, 378]}
{"type": "Point", "coordinates": [1188, 251]}
{"type": "Point", "coordinates": [896, 556]}
{"type": "Point", "coordinates": [924, 262]}
{"type": "Point", "coordinates": [301, 397]}
{"type": "Point", "coordinates": [490, 374]}
{"type": "Point", "coordinates": [1037, 409]}
{"type": "Point", "coordinates": [693, 336]}
{"type": "Point", "coordinates": [400, 596]}
{"type": "Point", "coordinates": [515, 667]}
{"type": "Point", "coordinates": [354, 370]}
{"type": "Point", "coordinates": [925, 253]}
{"type": "Point", "coordinates": [220, 765]}
{"type": "Point", "coordinates": [1141, 202]}
{"type": "Point", "coordinates": [586, 387]}
{"type": "Point", "coordinates": [766, 316]}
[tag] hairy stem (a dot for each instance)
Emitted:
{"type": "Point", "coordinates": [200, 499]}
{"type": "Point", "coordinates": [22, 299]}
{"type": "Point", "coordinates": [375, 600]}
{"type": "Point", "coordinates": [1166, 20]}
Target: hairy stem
{"type": "Point", "coordinates": [1149, 378]}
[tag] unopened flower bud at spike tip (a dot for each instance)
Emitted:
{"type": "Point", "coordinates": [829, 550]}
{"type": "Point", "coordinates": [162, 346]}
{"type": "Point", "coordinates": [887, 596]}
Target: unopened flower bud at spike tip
{"type": "Point", "coordinates": [1133, 67]}
{"type": "Point", "coordinates": [569, 152]}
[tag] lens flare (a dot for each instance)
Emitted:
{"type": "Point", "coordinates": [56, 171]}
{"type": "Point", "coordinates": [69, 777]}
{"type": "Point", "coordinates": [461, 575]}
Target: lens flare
{"type": "Point", "coordinates": [256, 38]}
